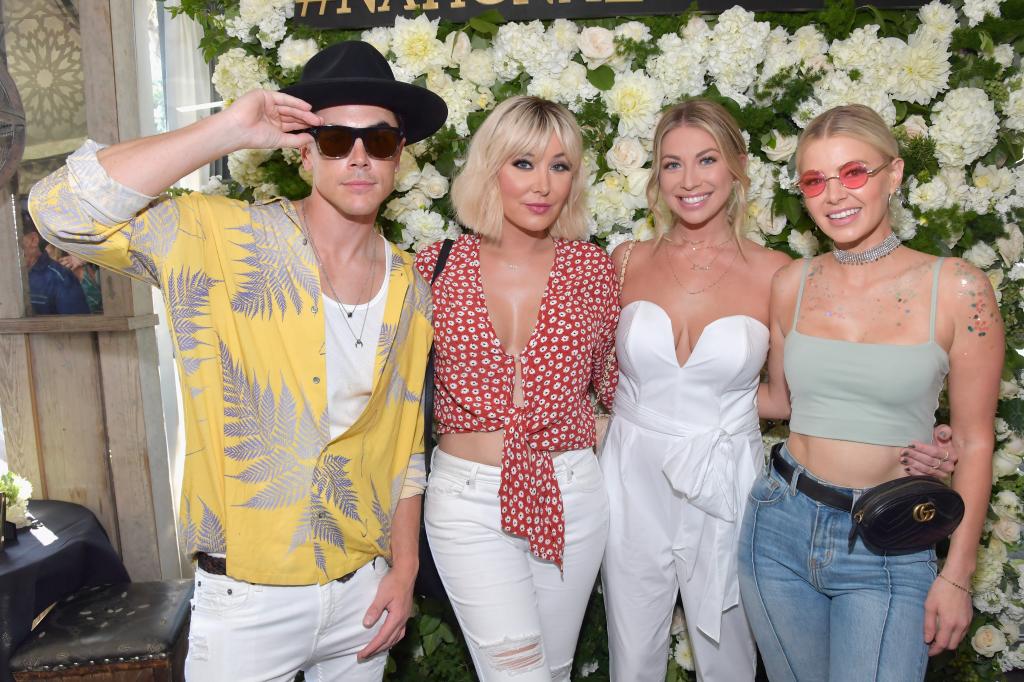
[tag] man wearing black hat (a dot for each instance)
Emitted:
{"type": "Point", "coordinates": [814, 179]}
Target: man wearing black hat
{"type": "Point", "coordinates": [301, 339]}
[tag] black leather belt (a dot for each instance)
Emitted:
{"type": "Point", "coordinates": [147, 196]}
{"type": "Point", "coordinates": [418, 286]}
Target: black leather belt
{"type": "Point", "coordinates": [808, 486]}
{"type": "Point", "coordinates": [215, 565]}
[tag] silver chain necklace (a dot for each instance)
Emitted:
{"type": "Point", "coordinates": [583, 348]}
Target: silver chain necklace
{"type": "Point", "coordinates": [887, 246]}
{"type": "Point", "coordinates": [346, 314]}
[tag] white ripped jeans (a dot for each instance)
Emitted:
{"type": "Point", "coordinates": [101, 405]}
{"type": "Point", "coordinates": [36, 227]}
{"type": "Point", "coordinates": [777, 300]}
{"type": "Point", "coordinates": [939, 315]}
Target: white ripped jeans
{"type": "Point", "coordinates": [247, 633]}
{"type": "Point", "coordinates": [520, 615]}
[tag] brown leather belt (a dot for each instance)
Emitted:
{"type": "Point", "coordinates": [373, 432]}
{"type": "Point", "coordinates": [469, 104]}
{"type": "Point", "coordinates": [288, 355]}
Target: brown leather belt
{"type": "Point", "coordinates": [215, 565]}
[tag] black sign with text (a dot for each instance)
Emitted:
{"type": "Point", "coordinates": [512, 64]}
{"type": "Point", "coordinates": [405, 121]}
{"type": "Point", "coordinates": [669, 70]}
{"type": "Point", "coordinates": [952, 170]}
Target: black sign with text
{"type": "Point", "coordinates": [369, 13]}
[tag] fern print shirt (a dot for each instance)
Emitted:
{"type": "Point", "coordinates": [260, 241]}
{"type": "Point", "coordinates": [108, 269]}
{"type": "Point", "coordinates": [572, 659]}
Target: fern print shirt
{"type": "Point", "coordinates": [264, 483]}
{"type": "Point", "coordinates": [571, 348]}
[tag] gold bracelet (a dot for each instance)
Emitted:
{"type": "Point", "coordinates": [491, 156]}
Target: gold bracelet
{"type": "Point", "coordinates": [956, 585]}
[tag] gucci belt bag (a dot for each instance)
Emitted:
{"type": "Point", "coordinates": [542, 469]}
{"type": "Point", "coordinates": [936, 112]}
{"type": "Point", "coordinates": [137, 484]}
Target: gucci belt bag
{"type": "Point", "coordinates": [908, 514]}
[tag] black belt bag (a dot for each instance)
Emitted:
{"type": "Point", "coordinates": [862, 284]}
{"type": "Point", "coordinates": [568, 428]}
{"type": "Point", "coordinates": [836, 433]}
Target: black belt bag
{"type": "Point", "coordinates": [909, 514]}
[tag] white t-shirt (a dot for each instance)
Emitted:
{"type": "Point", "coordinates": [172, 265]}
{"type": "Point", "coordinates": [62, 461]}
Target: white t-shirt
{"type": "Point", "coordinates": [350, 368]}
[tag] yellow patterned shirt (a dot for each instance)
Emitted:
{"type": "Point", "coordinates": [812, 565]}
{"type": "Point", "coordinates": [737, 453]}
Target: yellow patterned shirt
{"type": "Point", "coordinates": [262, 481]}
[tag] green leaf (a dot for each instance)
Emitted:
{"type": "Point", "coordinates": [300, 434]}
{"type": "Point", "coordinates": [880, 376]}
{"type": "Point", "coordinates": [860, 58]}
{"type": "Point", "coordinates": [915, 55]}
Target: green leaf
{"type": "Point", "coordinates": [792, 209]}
{"type": "Point", "coordinates": [430, 643]}
{"type": "Point", "coordinates": [602, 78]}
{"type": "Point", "coordinates": [492, 16]}
{"type": "Point", "coordinates": [481, 26]}
{"type": "Point", "coordinates": [429, 624]}
{"type": "Point", "coordinates": [985, 40]}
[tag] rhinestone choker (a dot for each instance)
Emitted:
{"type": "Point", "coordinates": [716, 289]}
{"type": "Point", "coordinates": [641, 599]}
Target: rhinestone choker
{"type": "Point", "coordinates": [888, 245]}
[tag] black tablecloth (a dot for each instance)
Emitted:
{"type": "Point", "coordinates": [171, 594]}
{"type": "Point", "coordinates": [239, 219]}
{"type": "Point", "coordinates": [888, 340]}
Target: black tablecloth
{"type": "Point", "coordinates": [33, 576]}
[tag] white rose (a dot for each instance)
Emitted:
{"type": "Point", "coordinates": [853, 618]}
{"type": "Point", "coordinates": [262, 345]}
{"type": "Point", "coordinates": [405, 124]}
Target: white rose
{"type": "Point", "coordinates": [781, 148]}
{"type": "Point", "coordinates": [804, 243]}
{"type": "Point", "coordinates": [988, 640]}
{"type": "Point", "coordinates": [1005, 504]}
{"type": "Point", "coordinates": [408, 173]}
{"type": "Point", "coordinates": [626, 154]}
{"type": "Point", "coordinates": [1011, 628]}
{"type": "Point", "coordinates": [636, 184]}
{"type": "Point", "coordinates": [1004, 464]}
{"type": "Point", "coordinates": [678, 622]}
{"type": "Point", "coordinates": [293, 54]}
{"type": "Point", "coordinates": [597, 45]}
{"type": "Point", "coordinates": [980, 255]}
{"type": "Point", "coordinates": [1007, 530]}
{"type": "Point", "coordinates": [1011, 246]}
{"type": "Point", "coordinates": [432, 183]}
{"type": "Point", "coordinates": [643, 229]}
{"type": "Point", "coordinates": [412, 200]}
{"type": "Point", "coordinates": [457, 47]}
{"type": "Point", "coordinates": [915, 126]}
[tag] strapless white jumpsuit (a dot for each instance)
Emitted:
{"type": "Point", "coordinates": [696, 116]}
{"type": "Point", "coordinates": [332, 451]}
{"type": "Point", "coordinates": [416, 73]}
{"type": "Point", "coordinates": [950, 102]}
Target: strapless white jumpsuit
{"type": "Point", "coordinates": [682, 451]}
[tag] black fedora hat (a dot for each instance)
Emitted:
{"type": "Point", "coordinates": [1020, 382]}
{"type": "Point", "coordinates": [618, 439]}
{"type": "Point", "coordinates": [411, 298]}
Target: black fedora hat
{"type": "Point", "coordinates": [354, 72]}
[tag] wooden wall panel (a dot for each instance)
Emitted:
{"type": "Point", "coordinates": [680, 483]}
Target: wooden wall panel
{"type": "Point", "coordinates": [129, 453]}
{"type": "Point", "coordinates": [70, 413]}
{"type": "Point", "coordinates": [18, 398]}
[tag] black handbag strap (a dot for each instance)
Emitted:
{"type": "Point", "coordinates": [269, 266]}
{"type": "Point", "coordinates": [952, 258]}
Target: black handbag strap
{"type": "Point", "coordinates": [428, 382]}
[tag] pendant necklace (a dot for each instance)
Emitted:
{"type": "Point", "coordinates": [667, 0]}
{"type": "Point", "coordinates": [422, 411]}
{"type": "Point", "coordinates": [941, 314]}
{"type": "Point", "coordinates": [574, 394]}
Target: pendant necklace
{"type": "Point", "coordinates": [712, 284]}
{"type": "Point", "coordinates": [346, 314]}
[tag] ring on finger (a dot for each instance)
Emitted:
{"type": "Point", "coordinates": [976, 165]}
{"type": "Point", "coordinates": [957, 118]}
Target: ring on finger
{"type": "Point", "coordinates": [945, 457]}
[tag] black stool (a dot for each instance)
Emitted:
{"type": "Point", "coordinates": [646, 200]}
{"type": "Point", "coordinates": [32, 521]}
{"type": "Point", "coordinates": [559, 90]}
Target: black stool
{"type": "Point", "coordinates": [111, 633]}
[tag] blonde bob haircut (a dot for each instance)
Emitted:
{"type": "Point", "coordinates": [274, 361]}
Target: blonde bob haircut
{"type": "Point", "coordinates": [851, 120]}
{"type": "Point", "coordinates": [519, 126]}
{"type": "Point", "coordinates": [716, 121]}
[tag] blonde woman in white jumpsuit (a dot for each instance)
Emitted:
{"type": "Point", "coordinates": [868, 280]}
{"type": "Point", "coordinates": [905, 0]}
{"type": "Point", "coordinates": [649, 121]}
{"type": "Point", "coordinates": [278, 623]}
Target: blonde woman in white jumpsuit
{"type": "Point", "coordinates": [684, 445]}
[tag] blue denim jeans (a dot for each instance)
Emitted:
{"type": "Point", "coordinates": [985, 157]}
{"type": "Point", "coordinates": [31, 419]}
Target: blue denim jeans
{"type": "Point", "coordinates": [820, 610]}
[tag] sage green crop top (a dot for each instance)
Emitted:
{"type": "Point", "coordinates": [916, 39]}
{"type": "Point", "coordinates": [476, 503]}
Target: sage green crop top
{"type": "Point", "coordinates": [878, 393]}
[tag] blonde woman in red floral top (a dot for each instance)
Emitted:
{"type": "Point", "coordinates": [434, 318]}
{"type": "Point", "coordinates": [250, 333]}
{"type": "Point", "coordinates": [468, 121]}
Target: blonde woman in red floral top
{"type": "Point", "coordinates": [524, 317]}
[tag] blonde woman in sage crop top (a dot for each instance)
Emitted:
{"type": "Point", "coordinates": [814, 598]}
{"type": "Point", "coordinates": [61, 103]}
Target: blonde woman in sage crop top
{"type": "Point", "coordinates": [863, 339]}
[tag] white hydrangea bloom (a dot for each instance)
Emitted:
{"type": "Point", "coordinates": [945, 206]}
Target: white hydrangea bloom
{"type": "Point", "coordinates": [415, 45]}
{"type": "Point", "coordinates": [461, 96]}
{"type": "Point", "coordinates": [545, 87]}
{"type": "Point", "coordinates": [1003, 55]}
{"type": "Point", "coordinates": [575, 88]}
{"type": "Point", "coordinates": [922, 70]}
{"type": "Point", "coordinates": [977, 10]}
{"type": "Point", "coordinates": [1013, 110]}
{"type": "Point", "coordinates": [244, 166]}
{"type": "Point", "coordinates": [678, 67]}
{"type": "Point", "coordinates": [861, 50]}
{"type": "Point", "coordinates": [836, 88]}
{"type": "Point", "coordinates": [779, 54]}
{"type": "Point", "coordinates": [980, 255]}
{"type": "Point", "coordinates": [804, 243]}
{"type": "Point", "coordinates": [903, 222]}
{"type": "Point", "coordinates": [735, 52]}
{"type": "Point", "coordinates": [266, 16]}
{"type": "Point", "coordinates": [964, 126]}
{"type": "Point", "coordinates": [478, 67]}
{"type": "Point", "coordinates": [238, 72]}
{"type": "Point", "coordinates": [612, 204]}
{"type": "Point", "coordinates": [633, 30]}
{"type": "Point", "coordinates": [293, 53]}
{"type": "Point", "coordinates": [809, 44]}
{"type": "Point", "coordinates": [526, 47]}
{"type": "Point", "coordinates": [938, 16]}
{"type": "Point", "coordinates": [636, 100]}
{"type": "Point", "coordinates": [566, 35]}
{"type": "Point", "coordinates": [683, 654]}
{"type": "Point", "coordinates": [379, 37]}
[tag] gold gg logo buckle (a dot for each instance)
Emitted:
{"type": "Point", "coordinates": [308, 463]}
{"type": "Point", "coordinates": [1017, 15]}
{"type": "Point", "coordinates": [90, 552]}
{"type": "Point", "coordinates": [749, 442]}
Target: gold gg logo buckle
{"type": "Point", "coordinates": [924, 512]}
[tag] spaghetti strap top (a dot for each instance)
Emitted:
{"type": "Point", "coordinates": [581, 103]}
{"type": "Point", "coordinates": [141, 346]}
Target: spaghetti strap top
{"type": "Point", "coordinates": [878, 393]}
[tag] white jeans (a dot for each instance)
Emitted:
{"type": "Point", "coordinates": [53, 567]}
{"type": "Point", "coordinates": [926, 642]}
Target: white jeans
{"type": "Point", "coordinates": [243, 632]}
{"type": "Point", "coordinates": [520, 615]}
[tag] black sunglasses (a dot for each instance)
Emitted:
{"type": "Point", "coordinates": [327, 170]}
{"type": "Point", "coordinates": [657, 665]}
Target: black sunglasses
{"type": "Point", "coordinates": [336, 142]}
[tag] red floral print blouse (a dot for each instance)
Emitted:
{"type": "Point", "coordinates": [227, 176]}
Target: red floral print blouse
{"type": "Point", "coordinates": [571, 348]}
